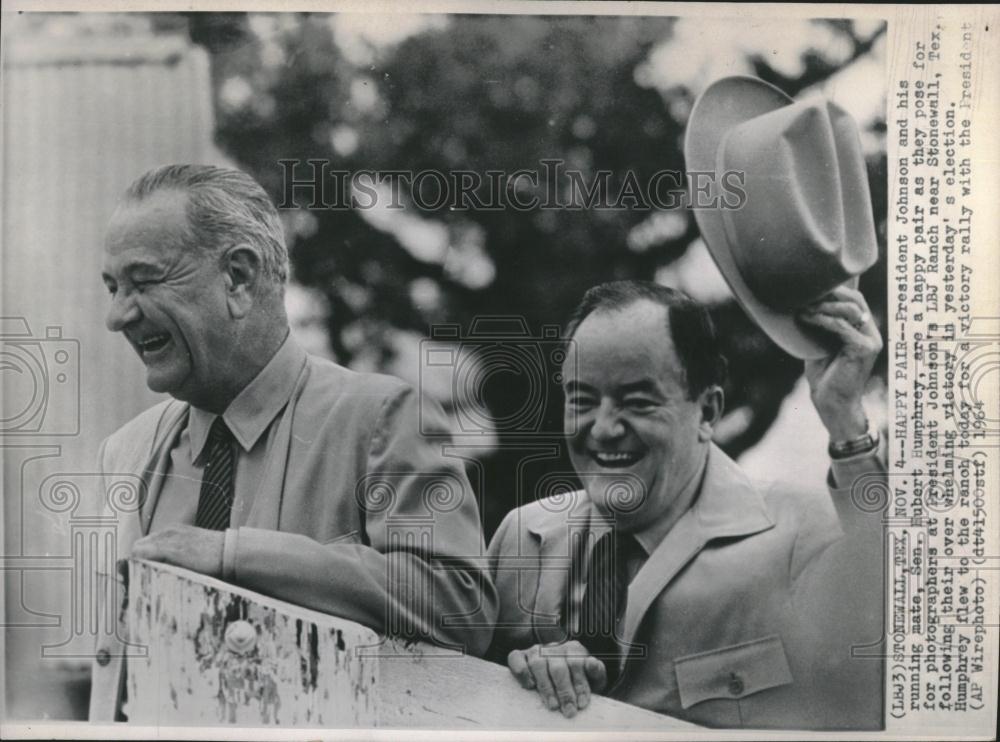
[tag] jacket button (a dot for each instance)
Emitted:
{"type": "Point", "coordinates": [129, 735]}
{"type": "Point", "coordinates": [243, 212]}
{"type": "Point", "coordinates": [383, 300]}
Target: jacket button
{"type": "Point", "coordinates": [735, 685]}
{"type": "Point", "coordinates": [103, 657]}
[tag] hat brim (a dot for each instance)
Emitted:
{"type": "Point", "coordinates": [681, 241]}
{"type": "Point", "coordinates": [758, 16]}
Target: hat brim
{"type": "Point", "coordinates": [723, 105]}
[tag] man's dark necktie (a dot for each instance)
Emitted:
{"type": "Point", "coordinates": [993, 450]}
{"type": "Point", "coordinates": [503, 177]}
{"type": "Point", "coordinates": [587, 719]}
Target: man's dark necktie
{"type": "Point", "coordinates": [216, 500]}
{"type": "Point", "coordinates": [604, 599]}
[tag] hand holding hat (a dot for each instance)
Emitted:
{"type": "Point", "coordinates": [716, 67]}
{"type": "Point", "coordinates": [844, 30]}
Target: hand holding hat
{"type": "Point", "coordinates": [806, 226]}
{"type": "Point", "coordinates": [837, 381]}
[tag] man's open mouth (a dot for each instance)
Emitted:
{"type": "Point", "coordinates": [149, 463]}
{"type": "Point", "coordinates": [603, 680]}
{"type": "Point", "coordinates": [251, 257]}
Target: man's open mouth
{"type": "Point", "coordinates": [615, 459]}
{"type": "Point", "coordinates": [153, 343]}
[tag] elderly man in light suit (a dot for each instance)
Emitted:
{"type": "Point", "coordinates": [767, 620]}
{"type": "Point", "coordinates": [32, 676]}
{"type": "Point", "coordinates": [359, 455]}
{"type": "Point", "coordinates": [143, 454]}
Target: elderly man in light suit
{"type": "Point", "coordinates": [272, 469]}
{"type": "Point", "coordinates": [670, 580]}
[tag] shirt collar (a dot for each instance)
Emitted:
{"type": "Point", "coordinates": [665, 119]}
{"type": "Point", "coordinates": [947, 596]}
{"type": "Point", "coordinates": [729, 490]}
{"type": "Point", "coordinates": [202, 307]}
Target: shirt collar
{"type": "Point", "coordinates": [651, 536]}
{"type": "Point", "coordinates": [250, 414]}
{"type": "Point", "coordinates": [727, 505]}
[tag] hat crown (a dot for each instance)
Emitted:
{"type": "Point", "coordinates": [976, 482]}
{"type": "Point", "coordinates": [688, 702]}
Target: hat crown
{"type": "Point", "coordinates": [806, 224]}
{"type": "Point", "coordinates": [804, 172]}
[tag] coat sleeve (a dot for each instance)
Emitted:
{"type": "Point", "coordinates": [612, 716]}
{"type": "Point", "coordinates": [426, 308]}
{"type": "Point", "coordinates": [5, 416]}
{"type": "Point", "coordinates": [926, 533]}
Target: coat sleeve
{"type": "Point", "coordinates": [502, 544]}
{"type": "Point", "coordinates": [419, 572]}
{"type": "Point", "coordinates": [831, 565]}
{"type": "Point", "coordinates": [839, 592]}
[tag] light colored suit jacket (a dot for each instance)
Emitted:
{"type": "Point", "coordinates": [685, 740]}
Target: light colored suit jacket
{"type": "Point", "coordinates": [355, 516]}
{"type": "Point", "coordinates": [746, 613]}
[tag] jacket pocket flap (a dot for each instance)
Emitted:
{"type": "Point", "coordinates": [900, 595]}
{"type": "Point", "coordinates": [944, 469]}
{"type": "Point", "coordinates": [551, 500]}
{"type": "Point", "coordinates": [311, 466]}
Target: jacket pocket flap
{"type": "Point", "coordinates": [352, 537]}
{"type": "Point", "coordinates": [732, 672]}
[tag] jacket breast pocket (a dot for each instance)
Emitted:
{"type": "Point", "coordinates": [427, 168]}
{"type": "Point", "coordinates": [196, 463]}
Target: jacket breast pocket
{"type": "Point", "coordinates": [732, 672]}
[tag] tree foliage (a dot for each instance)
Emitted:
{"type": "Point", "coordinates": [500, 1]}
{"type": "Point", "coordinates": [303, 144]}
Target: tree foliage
{"type": "Point", "coordinates": [485, 93]}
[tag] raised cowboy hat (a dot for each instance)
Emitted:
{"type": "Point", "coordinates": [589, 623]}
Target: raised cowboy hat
{"type": "Point", "coordinates": [806, 226]}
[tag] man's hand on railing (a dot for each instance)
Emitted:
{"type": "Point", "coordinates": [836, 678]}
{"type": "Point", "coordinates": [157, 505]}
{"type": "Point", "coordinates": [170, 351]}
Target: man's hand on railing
{"type": "Point", "coordinates": [564, 674]}
{"type": "Point", "coordinates": [197, 549]}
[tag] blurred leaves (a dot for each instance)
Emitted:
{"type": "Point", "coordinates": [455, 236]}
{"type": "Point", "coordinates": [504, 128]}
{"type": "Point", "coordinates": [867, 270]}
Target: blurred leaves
{"type": "Point", "coordinates": [484, 93]}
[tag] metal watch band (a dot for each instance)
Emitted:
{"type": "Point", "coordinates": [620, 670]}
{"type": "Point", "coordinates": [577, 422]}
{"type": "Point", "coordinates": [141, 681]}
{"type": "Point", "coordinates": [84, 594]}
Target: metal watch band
{"type": "Point", "coordinates": [865, 443]}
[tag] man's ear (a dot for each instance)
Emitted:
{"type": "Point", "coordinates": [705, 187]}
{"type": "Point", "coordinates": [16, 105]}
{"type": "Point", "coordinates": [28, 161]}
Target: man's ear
{"type": "Point", "coordinates": [711, 403]}
{"type": "Point", "coordinates": [243, 268]}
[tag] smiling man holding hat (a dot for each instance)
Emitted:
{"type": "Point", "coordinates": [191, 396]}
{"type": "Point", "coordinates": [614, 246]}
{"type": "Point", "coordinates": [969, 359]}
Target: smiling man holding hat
{"type": "Point", "coordinates": [671, 581]}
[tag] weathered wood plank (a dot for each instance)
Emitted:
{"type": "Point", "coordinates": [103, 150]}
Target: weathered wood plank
{"type": "Point", "coordinates": [222, 656]}
{"type": "Point", "coordinates": [435, 691]}
{"type": "Point", "coordinates": [219, 654]}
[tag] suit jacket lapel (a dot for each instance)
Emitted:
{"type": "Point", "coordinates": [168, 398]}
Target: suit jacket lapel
{"type": "Point", "coordinates": [265, 509]}
{"type": "Point", "coordinates": [563, 537]}
{"type": "Point", "coordinates": [157, 459]}
{"type": "Point", "coordinates": [727, 506]}
{"type": "Point", "coordinates": [153, 462]}
{"type": "Point", "coordinates": [547, 619]}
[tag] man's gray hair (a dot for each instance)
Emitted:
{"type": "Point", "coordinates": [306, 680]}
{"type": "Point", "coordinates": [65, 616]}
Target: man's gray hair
{"type": "Point", "coordinates": [224, 207]}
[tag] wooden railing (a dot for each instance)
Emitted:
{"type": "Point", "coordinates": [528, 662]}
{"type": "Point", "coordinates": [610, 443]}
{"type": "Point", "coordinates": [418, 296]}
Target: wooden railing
{"type": "Point", "coordinates": [218, 654]}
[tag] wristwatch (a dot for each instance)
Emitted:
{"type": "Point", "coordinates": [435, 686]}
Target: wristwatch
{"type": "Point", "coordinates": [864, 443]}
